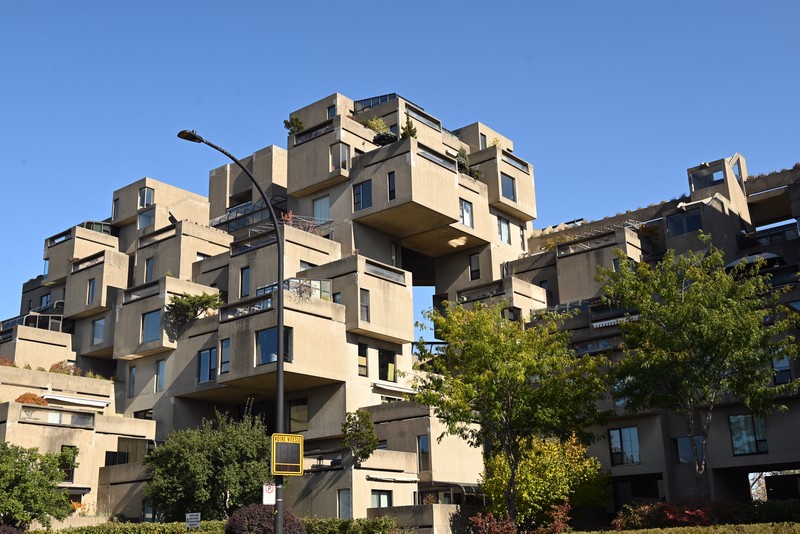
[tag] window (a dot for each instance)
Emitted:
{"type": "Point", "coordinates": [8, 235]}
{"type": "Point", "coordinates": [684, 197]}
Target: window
{"type": "Point", "coordinates": [615, 265]}
{"type": "Point", "coordinates": [69, 469]}
{"type": "Point", "coordinates": [474, 266]}
{"type": "Point", "coordinates": [340, 156]}
{"type": "Point", "coordinates": [466, 212]}
{"type": "Point", "coordinates": [522, 236]}
{"type": "Point", "coordinates": [684, 447]}
{"type": "Point", "coordinates": [363, 370]}
{"type": "Point", "coordinates": [298, 415]}
{"type": "Point", "coordinates": [267, 345]}
{"type": "Point", "coordinates": [544, 284]}
{"type": "Point", "coordinates": [364, 304]}
{"type": "Point", "coordinates": [783, 371]}
{"type": "Point", "coordinates": [322, 209]}
{"type": "Point", "coordinates": [331, 112]}
{"type": "Point", "coordinates": [390, 183]}
{"type": "Point", "coordinates": [509, 188]}
{"type": "Point", "coordinates": [362, 195]}
{"type": "Point", "coordinates": [46, 267]}
{"type": "Point", "coordinates": [151, 326]}
{"type": "Point", "coordinates": [386, 365]}
{"type": "Point", "coordinates": [98, 331]}
{"type": "Point", "coordinates": [707, 177]}
{"type": "Point", "coordinates": [504, 230]}
{"type": "Point", "coordinates": [208, 365]}
{"type": "Point", "coordinates": [381, 498]}
{"type": "Point", "coordinates": [161, 366]}
{"type": "Point", "coordinates": [149, 266]}
{"type": "Point", "coordinates": [224, 355]}
{"type": "Point", "coordinates": [624, 445]}
{"type": "Point", "coordinates": [683, 223]}
{"type": "Point", "coordinates": [483, 141]}
{"type": "Point", "coordinates": [144, 414]}
{"type": "Point", "coordinates": [748, 434]}
{"type": "Point", "coordinates": [131, 382]}
{"type": "Point", "coordinates": [90, 291]}
{"type": "Point", "coordinates": [115, 209]}
{"type": "Point", "coordinates": [44, 300]}
{"type": "Point", "coordinates": [394, 255]}
{"type": "Point", "coordinates": [424, 452]}
{"type": "Point", "coordinates": [145, 197]}
{"type": "Point", "coordinates": [344, 508]}
{"type": "Point", "coordinates": [244, 282]}
{"type": "Point", "coordinates": [146, 218]}
{"type": "Point", "coordinates": [337, 298]}
{"type": "Point", "coordinates": [393, 129]}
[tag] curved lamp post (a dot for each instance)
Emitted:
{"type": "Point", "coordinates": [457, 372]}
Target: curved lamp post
{"type": "Point", "coordinates": [193, 137]}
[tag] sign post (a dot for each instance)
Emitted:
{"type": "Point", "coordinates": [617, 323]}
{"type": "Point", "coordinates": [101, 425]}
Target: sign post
{"type": "Point", "coordinates": [287, 454]}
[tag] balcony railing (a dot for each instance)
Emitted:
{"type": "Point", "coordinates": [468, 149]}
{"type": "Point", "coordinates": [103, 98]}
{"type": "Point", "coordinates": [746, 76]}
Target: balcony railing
{"type": "Point", "coordinates": [384, 272]}
{"type": "Point", "coordinates": [140, 292]}
{"type": "Point", "coordinates": [515, 162]}
{"type": "Point", "coordinates": [304, 288]}
{"type": "Point", "coordinates": [50, 322]}
{"type": "Point", "coordinates": [89, 261]}
{"type": "Point", "coordinates": [47, 416]}
{"type": "Point", "coordinates": [308, 135]}
{"type": "Point", "coordinates": [779, 234]}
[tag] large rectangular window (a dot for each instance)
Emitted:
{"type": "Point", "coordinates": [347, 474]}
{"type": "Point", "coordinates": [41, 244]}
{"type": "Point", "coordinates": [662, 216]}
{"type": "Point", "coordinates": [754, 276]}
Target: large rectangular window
{"type": "Point", "coordinates": [161, 366]}
{"type": "Point", "coordinates": [509, 187]}
{"type": "Point", "coordinates": [748, 434]}
{"type": "Point", "coordinates": [684, 447]}
{"type": "Point", "coordinates": [424, 452]}
{"type": "Point", "coordinates": [131, 381]}
{"type": "Point", "coordinates": [45, 300]}
{"type": "Point", "coordinates": [146, 218]}
{"type": "Point", "coordinates": [224, 355]}
{"type": "Point", "coordinates": [363, 369]}
{"type": "Point", "coordinates": [363, 303]}
{"type": "Point", "coordinates": [362, 195]}
{"type": "Point", "coordinates": [381, 498]}
{"type": "Point", "coordinates": [149, 269]}
{"type": "Point", "coordinates": [504, 230]}
{"type": "Point", "coordinates": [207, 365]}
{"type": "Point", "coordinates": [297, 415]}
{"type": "Point", "coordinates": [90, 291]}
{"type": "Point", "coordinates": [474, 266]}
{"type": "Point", "coordinates": [267, 345]}
{"type": "Point", "coordinates": [98, 331]}
{"type": "Point", "coordinates": [391, 185]}
{"type": "Point", "coordinates": [684, 223]}
{"type": "Point", "coordinates": [322, 209]}
{"type": "Point", "coordinates": [340, 156]}
{"type": "Point", "coordinates": [466, 212]}
{"type": "Point", "coordinates": [146, 197]}
{"type": "Point", "coordinates": [624, 444]}
{"type": "Point", "coordinates": [483, 141]}
{"type": "Point", "coordinates": [244, 282]}
{"type": "Point", "coordinates": [151, 326]}
{"type": "Point", "coordinates": [783, 371]}
{"type": "Point", "coordinates": [387, 365]}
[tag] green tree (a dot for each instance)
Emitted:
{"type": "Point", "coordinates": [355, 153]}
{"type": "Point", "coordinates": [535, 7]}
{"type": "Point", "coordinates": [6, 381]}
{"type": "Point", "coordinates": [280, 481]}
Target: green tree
{"type": "Point", "coordinates": [213, 469]}
{"type": "Point", "coordinates": [551, 471]}
{"type": "Point", "coordinates": [702, 333]}
{"type": "Point", "coordinates": [358, 435]}
{"type": "Point", "coordinates": [293, 125]}
{"type": "Point", "coordinates": [184, 308]}
{"type": "Point", "coordinates": [29, 485]}
{"type": "Point", "coordinates": [499, 384]}
{"type": "Point", "coordinates": [408, 129]}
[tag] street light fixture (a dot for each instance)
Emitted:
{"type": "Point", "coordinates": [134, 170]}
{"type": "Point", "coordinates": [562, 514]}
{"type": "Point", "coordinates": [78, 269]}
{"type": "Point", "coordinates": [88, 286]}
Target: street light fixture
{"type": "Point", "coordinates": [192, 136]}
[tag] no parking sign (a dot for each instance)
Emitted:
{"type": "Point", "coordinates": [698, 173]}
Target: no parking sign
{"type": "Point", "coordinates": [268, 495]}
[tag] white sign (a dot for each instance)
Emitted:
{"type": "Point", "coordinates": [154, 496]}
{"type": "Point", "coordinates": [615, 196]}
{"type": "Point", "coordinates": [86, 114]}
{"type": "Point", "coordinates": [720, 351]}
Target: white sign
{"type": "Point", "coordinates": [193, 520]}
{"type": "Point", "coordinates": [268, 496]}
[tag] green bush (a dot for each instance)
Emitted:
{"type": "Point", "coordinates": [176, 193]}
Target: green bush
{"type": "Point", "coordinates": [764, 528]}
{"type": "Point", "coordinates": [329, 525]}
{"type": "Point", "coordinates": [206, 527]}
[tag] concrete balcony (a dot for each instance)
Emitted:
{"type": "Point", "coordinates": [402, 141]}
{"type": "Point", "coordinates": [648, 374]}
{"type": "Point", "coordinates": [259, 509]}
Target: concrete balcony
{"type": "Point", "coordinates": [87, 288]}
{"type": "Point", "coordinates": [509, 181]}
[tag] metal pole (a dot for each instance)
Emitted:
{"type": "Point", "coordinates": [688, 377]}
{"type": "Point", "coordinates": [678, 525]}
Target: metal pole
{"type": "Point", "coordinates": [279, 395]}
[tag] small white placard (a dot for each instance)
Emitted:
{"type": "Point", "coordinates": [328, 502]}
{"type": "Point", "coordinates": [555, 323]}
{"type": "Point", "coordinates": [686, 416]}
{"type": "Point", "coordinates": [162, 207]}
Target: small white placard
{"type": "Point", "coordinates": [193, 520]}
{"type": "Point", "coordinates": [269, 494]}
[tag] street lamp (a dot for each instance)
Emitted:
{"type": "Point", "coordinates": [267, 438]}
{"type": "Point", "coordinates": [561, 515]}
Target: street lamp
{"type": "Point", "coordinates": [193, 137]}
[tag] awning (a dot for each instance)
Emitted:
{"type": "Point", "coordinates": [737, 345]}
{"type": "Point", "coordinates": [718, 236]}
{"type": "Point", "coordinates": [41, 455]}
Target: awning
{"type": "Point", "coordinates": [393, 387]}
{"type": "Point", "coordinates": [76, 400]}
{"type": "Point", "coordinates": [393, 478]}
{"type": "Point", "coordinates": [614, 321]}
{"type": "Point", "coordinates": [762, 256]}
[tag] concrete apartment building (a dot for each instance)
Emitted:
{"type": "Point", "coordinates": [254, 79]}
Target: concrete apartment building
{"type": "Point", "coordinates": [363, 224]}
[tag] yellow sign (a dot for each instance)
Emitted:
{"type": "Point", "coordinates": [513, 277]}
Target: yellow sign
{"type": "Point", "coordinates": [287, 454]}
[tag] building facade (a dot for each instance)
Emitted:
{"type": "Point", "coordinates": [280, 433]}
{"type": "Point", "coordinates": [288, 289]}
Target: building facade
{"type": "Point", "coordinates": [365, 220]}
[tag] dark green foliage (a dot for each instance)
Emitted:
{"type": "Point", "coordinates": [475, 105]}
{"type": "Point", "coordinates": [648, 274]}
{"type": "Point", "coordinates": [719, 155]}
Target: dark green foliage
{"type": "Point", "coordinates": [293, 125]}
{"type": "Point", "coordinates": [260, 519]}
{"type": "Point", "coordinates": [185, 308]}
{"type": "Point", "coordinates": [330, 525]}
{"type": "Point", "coordinates": [462, 159]}
{"type": "Point", "coordinates": [29, 485]}
{"type": "Point", "coordinates": [358, 435]}
{"type": "Point", "coordinates": [384, 138]}
{"type": "Point", "coordinates": [206, 527]}
{"type": "Point", "coordinates": [408, 129]}
{"type": "Point", "coordinates": [214, 469]}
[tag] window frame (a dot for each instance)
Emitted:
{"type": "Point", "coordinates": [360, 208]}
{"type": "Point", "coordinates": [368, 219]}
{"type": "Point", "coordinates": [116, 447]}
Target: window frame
{"type": "Point", "coordinates": [207, 365]}
{"type": "Point", "coordinates": [623, 456]}
{"type": "Point", "coordinates": [506, 182]}
{"type": "Point", "coordinates": [101, 323]}
{"type": "Point", "coordinates": [363, 359]}
{"type": "Point", "coordinates": [131, 381]}
{"type": "Point", "coordinates": [149, 269]}
{"type": "Point", "coordinates": [423, 454]}
{"type": "Point", "coordinates": [161, 368]}
{"type": "Point", "coordinates": [758, 439]}
{"type": "Point", "coordinates": [224, 355]}
{"type": "Point", "coordinates": [146, 197]}
{"type": "Point", "coordinates": [391, 185]}
{"type": "Point", "coordinates": [381, 497]}
{"type": "Point", "coordinates": [504, 224]}
{"type": "Point", "coordinates": [362, 195]}
{"type": "Point", "coordinates": [244, 282]}
{"type": "Point", "coordinates": [387, 365]}
{"type": "Point", "coordinates": [466, 213]}
{"type": "Point", "coordinates": [90, 287]}
{"type": "Point", "coordinates": [287, 345]}
{"type": "Point", "coordinates": [147, 322]}
{"type": "Point", "coordinates": [475, 266]}
{"type": "Point", "coordinates": [363, 305]}
{"type": "Point", "coordinates": [302, 405]}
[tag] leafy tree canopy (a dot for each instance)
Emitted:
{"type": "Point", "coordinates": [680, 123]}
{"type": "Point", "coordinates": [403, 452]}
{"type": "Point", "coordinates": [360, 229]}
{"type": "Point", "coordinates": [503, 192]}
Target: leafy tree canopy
{"type": "Point", "coordinates": [358, 435]}
{"type": "Point", "coordinates": [408, 129]}
{"type": "Point", "coordinates": [293, 125]}
{"type": "Point", "coordinates": [702, 332]}
{"type": "Point", "coordinates": [29, 485]}
{"type": "Point", "coordinates": [185, 308]}
{"type": "Point", "coordinates": [214, 469]}
{"type": "Point", "coordinates": [498, 383]}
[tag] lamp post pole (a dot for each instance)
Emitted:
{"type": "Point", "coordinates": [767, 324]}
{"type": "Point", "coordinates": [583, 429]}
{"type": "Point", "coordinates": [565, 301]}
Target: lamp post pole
{"type": "Point", "coordinates": [279, 395]}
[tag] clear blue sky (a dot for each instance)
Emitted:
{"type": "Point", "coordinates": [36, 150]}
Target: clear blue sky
{"type": "Point", "coordinates": [611, 101]}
